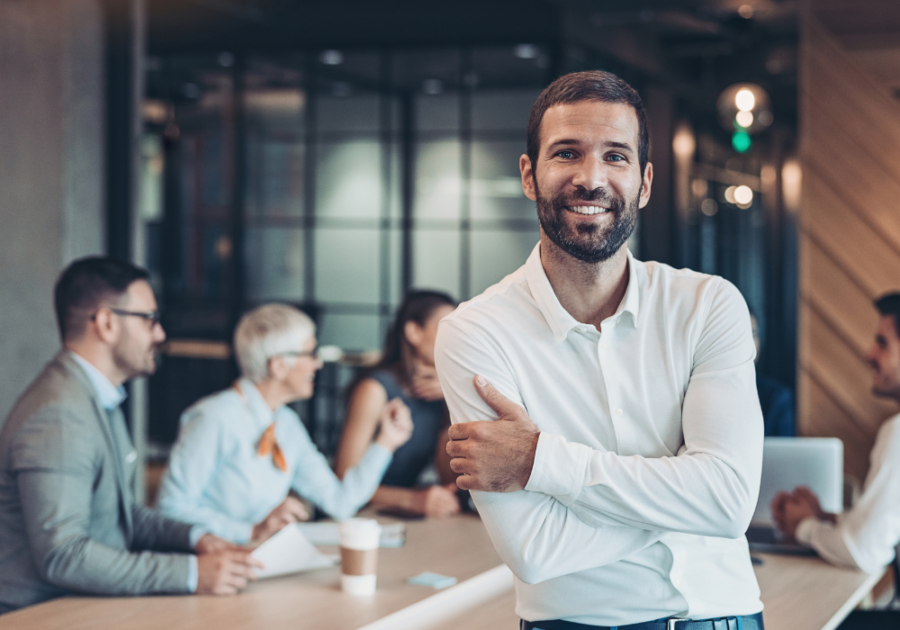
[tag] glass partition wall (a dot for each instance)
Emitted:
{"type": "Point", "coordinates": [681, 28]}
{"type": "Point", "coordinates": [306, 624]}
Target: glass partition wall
{"type": "Point", "coordinates": [333, 180]}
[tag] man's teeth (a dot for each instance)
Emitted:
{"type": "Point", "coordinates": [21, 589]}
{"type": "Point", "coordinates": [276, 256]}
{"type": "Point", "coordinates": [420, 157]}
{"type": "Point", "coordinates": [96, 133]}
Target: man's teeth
{"type": "Point", "coordinates": [588, 209]}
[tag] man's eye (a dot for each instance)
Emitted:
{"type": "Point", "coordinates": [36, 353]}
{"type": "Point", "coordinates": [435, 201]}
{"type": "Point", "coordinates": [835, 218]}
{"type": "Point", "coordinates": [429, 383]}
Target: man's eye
{"type": "Point", "coordinates": [616, 158]}
{"type": "Point", "coordinates": [566, 155]}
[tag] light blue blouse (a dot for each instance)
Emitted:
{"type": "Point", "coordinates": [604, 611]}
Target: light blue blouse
{"type": "Point", "coordinates": [217, 479]}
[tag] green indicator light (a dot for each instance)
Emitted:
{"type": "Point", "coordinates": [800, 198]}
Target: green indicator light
{"type": "Point", "coordinates": [741, 141]}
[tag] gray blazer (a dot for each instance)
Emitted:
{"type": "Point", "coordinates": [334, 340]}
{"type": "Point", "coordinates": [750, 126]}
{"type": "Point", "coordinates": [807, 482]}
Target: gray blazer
{"type": "Point", "coordinates": [68, 519]}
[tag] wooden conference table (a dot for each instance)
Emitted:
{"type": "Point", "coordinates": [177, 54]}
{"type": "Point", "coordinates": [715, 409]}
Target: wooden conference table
{"type": "Point", "coordinates": [800, 593]}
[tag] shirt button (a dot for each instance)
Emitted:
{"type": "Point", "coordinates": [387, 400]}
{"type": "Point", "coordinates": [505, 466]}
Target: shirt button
{"type": "Point", "coordinates": [603, 345]}
{"type": "Point", "coordinates": [676, 580]}
{"type": "Point", "coordinates": [619, 412]}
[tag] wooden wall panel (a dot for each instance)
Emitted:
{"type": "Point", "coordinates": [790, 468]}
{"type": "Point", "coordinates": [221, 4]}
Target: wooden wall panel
{"type": "Point", "coordinates": [849, 238]}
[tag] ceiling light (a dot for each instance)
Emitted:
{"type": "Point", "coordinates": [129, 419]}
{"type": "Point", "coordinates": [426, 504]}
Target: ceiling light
{"type": "Point", "coordinates": [709, 207]}
{"type": "Point", "coordinates": [745, 100]}
{"type": "Point", "coordinates": [744, 119]}
{"type": "Point", "coordinates": [729, 194]}
{"type": "Point", "coordinates": [745, 11]}
{"type": "Point", "coordinates": [526, 51]}
{"type": "Point", "coordinates": [332, 57]}
{"type": "Point", "coordinates": [743, 196]}
{"type": "Point", "coordinates": [684, 143]}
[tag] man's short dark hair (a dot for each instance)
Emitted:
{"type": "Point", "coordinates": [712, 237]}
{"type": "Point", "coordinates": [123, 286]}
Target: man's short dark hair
{"type": "Point", "coordinates": [889, 304]}
{"type": "Point", "coordinates": [591, 85]}
{"type": "Point", "coordinates": [83, 287]}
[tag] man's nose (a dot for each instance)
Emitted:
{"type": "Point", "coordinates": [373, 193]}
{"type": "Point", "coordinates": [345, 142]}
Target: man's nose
{"type": "Point", "coordinates": [159, 334]}
{"type": "Point", "coordinates": [872, 357]}
{"type": "Point", "coordinates": [591, 173]}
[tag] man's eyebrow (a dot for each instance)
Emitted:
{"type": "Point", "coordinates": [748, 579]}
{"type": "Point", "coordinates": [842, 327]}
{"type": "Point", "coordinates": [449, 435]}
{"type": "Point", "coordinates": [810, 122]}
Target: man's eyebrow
{"type": "Point", "coordinates": [575, 141]}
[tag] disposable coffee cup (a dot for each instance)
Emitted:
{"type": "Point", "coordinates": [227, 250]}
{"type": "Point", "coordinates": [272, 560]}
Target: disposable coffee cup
{"type": "Point", "coordinates": [359, 555]}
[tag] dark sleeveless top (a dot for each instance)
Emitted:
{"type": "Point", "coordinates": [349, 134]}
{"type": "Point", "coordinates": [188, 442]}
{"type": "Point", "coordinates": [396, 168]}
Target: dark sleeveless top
{"type": "Point", "coordinates": [412, 458]}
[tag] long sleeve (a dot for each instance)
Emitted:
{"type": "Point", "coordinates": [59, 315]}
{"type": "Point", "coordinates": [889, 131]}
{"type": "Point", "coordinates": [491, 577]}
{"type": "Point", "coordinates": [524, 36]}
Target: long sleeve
{"type": "Point", "coordinates": [865, 536]}
{"type": "Point", "coordinates": [156, 532]}
{"type": "Point", "coordinates": [56, 461]}
{"type": "Point", "coordinates": [710, 486]}
{"type": "Point", "coordinates": [536, 535]}
{"type": "Point", "coordinates": [314, 479]}
{"type": "Point", "coordinates": [192, 468]}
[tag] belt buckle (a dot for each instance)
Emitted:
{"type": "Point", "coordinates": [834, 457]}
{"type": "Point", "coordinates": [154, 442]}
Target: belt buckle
{"type": "Point", "coordinates": [670, 623]}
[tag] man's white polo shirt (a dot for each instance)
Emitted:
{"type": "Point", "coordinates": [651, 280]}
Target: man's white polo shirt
{"type": "Point", "coordinates": [648, 464]}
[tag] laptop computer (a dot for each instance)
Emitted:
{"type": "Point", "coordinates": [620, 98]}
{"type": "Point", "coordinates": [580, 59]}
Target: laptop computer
{"type": "Point", "coordinates": [817, 463]}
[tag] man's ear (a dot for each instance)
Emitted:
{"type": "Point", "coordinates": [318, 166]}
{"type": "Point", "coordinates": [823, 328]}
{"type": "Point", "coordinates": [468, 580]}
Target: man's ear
{"type": "Point", "coordinates": [527, 171]}
{"type": "Point", "coordinates": [105, 326]}
{"type": "Point", "coordinates": [646, 182]}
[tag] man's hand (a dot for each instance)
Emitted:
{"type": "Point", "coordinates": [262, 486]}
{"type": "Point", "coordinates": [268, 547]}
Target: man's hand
{"type": "Point", "coordinates": [791, 509]}
{"type": "Point", "coordinates": [211, 544]}
{"type": "Point", "coordinates": [494, 456]}
{"type": "Point", "coordinates": [225, 572]}
{"type": "Point", "coordinates": [395, 425]}
{"type": "Point", "coordinates": [437, 501]}
{"type": "Point", "coordinates": [425, 384]}
{"type": "Point", "coordinates": [290, 511]}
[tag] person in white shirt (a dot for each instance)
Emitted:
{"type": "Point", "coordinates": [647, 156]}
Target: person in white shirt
{"type": "Point", "coordinates": [864, 537]}
{"type": "Point", "coordinates": [605, 410]}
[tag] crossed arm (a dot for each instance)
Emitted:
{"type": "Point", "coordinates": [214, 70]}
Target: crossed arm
{"type": "Point", "coordinates": [601, 506]}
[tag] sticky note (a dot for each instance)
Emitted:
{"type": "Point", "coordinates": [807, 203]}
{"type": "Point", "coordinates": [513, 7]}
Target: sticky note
{"type": "Point", "coordinates": [434, 580]}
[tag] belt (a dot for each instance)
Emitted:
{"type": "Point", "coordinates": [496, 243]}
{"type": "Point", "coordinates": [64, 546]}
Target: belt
{"type": "Point", "coordinates": [745, 622]}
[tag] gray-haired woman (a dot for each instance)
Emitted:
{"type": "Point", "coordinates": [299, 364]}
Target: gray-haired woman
{"type": "Point", "coordinates": [242, 450]}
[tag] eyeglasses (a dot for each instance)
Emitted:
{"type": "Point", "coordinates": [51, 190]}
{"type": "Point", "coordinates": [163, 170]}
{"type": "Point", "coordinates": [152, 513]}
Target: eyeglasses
{"type": "Point", "coordinates": [150, 316]}
{"type": "Point", "coordinates": [312, 354]}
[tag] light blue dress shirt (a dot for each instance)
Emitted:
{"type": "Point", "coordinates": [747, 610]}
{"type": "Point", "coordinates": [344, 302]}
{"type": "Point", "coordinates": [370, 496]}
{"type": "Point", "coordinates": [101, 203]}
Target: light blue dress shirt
{"type": "Point", "coordinates": [216, 478]}
{"type": "Point", "coordinates": [111, 397]}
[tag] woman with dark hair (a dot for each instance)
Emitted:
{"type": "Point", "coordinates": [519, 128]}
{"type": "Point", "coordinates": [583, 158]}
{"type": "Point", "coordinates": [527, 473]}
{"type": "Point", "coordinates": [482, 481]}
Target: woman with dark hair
{"type": "Point", "coordinates": [406, 371]}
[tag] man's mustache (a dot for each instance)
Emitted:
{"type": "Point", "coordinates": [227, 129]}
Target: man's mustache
{"type": "Point", "coordinates": [597, 195]}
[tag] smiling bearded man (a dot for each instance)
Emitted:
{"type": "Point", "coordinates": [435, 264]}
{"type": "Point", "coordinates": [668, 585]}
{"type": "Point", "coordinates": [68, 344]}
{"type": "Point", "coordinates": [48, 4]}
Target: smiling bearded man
{"type": "Point", "coordinates": [604, 409]}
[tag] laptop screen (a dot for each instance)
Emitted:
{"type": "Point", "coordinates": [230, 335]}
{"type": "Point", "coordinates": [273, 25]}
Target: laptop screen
{"type": "Point", "coordinates": [817, 463]}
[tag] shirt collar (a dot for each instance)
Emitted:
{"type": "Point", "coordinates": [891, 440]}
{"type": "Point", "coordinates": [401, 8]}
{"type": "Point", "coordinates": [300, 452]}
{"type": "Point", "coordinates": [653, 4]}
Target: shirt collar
{"type": "Point", "coordinates": [108, 394]}
{"type": "Point", "coordinates": [558, 318]}
{"type": "Point", "coordinates": [258, 405]}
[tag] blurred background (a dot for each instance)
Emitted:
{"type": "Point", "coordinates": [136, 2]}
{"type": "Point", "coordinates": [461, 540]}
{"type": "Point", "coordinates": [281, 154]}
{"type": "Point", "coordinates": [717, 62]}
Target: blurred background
{"type": "Point", "coordinates": [333, 155]}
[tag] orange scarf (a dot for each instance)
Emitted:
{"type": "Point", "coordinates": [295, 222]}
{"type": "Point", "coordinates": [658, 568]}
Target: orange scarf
{"type": "Point", "coordinates": [267, 443]}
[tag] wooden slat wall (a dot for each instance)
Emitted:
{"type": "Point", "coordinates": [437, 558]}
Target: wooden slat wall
{"type": "Point", "coordinates": [849, 240]}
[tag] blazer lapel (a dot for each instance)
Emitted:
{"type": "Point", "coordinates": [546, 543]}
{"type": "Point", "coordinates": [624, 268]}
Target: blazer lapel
{"type": "Point", "coordinates": [105, 420]}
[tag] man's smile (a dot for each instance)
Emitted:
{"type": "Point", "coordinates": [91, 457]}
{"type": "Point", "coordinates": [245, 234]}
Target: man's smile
{"type": "Point", "coordinates": [587, 210]}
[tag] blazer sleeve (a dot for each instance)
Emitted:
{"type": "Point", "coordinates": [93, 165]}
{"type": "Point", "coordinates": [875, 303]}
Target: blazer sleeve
{"type": "Point", "coordinates": [156, 532]}
{"type": "Point", "coordinates": [56, 458]}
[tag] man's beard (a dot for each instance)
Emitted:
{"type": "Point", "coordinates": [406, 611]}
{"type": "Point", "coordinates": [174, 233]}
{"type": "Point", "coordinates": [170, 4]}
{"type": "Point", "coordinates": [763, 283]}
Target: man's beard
{"type": "Point", "coordinates": [587, 242]}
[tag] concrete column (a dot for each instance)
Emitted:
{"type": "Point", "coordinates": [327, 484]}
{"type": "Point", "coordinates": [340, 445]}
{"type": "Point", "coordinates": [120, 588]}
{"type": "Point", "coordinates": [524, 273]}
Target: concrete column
{"type": "Point", "coordinates": [51, 170]}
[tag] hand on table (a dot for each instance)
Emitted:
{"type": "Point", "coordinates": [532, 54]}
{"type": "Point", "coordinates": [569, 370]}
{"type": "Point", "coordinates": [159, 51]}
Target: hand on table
{"type": "Point", "coordinates": [395, 425]}
{"type": "Point", "coordinates": [791, 509]}
{"type": "Point", "coordinates": [495, 456]}
{"type": "Point", "coordinates": [225, 572]}
{"type": "Point", "coordinates": [209, 543]}
{"type": "Point", "coordinates": [436, 501]}
{"type": "Point", "coordinates": [291, 510]}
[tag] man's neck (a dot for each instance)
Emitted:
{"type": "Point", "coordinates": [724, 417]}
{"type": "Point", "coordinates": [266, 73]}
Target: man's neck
{"type": "Point", "coordinates": [590, 292]}
{"type": "Point", "coordinates": [100, 358]}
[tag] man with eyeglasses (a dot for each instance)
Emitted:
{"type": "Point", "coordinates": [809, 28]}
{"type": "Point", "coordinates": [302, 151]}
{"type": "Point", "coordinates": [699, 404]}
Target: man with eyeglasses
{"type": "Point", "coordinates": [68, 519]}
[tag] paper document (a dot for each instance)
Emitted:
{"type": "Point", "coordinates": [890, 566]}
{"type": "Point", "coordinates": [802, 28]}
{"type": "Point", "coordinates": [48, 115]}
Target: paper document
{"type": "Point", "coordinates": [326, 533]}
{"type": "Point", "coordinates": [289, 551]}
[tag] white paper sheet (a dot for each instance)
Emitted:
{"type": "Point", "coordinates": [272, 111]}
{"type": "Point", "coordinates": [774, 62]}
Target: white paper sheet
{"type": "Point", "coordinates": [289, 551]}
